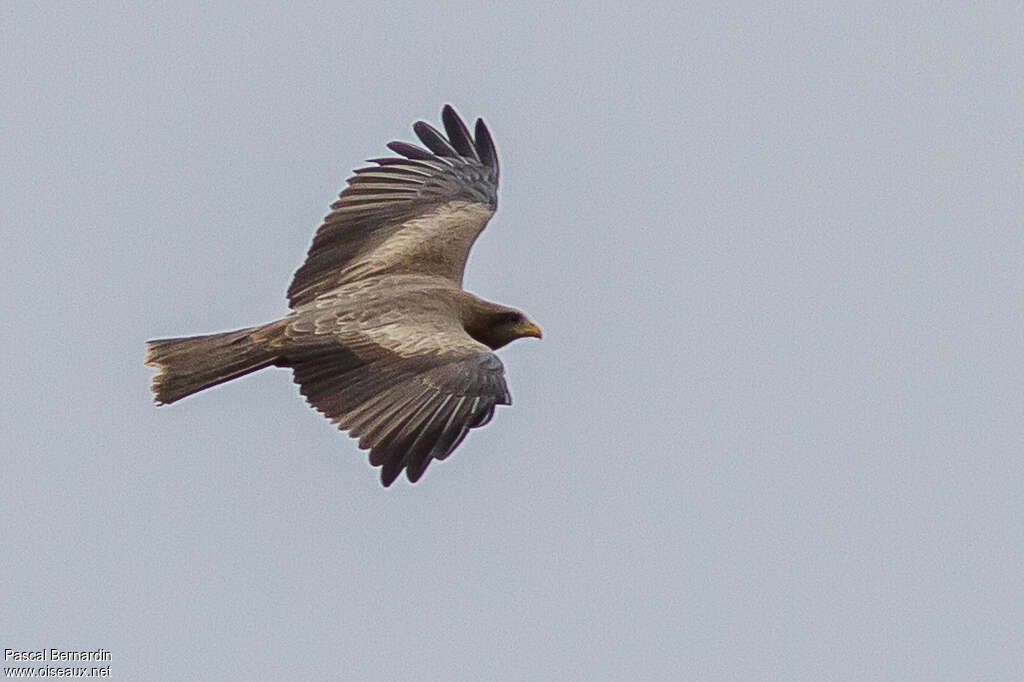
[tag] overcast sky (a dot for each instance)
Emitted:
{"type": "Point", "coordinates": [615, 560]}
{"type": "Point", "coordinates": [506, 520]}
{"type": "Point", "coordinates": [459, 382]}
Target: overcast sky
{"type": "Point", "coordinates": [773, 430]}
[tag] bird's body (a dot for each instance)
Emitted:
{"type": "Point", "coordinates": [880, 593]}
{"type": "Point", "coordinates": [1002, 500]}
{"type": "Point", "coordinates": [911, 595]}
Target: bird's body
{"type": "Point", "coordinates": [381, 338]}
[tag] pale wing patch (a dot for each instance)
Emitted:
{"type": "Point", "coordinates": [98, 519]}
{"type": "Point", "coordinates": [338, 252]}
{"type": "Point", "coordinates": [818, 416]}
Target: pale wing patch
{"type": "Point", "coordinates": [406, 339]}
{"type": "Point", "coordinates": [437, 242]}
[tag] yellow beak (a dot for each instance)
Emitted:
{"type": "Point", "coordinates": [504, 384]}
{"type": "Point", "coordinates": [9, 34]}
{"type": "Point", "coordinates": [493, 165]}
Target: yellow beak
{"type": "Point", "coordinates": [530, 328]}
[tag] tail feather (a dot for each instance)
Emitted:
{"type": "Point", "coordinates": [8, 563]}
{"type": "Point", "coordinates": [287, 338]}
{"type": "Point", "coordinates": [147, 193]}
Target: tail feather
{"type": "Point", "coordinates": [190, 364]}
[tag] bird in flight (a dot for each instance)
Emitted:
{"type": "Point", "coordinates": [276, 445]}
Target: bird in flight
{"type": "Point", "coordinates": [381, 337]}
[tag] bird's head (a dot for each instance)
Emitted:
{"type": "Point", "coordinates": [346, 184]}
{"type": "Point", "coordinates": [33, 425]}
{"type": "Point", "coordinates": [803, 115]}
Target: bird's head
{"type": "Point", "coordinates": [505, 326]}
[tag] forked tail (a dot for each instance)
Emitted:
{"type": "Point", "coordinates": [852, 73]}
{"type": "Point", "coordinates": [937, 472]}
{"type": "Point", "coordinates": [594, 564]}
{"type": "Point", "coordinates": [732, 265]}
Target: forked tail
{"type": "Point", "coordinates": [190, 364]}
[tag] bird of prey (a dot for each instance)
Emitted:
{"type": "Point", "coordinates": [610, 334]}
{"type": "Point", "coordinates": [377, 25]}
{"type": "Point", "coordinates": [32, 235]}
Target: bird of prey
{"type": "Point", "coordinates": [381, 337]}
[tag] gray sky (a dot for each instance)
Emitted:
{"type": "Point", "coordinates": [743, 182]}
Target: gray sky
{"type": "Point", "coordinates": [773, 431]}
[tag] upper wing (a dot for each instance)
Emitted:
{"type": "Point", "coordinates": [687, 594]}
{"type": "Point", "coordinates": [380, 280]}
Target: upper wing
{"type": "Point", "coordinates": [410, 392]}
{"type": "Point", "coordinates": [417, 214]}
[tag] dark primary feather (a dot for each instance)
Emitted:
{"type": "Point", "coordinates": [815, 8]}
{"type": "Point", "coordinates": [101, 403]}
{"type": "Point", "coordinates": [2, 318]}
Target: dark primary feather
{"type": "Point", "coordinates": [458, 133]}
{"type": "Point", "coordinates": [380, 201]}
{"type": "Point", "coordinates": [410, 151]}
{"type": "Point", "coordinates": [485, 146]}
{"type": "Point", "coordinates": [433, 139]}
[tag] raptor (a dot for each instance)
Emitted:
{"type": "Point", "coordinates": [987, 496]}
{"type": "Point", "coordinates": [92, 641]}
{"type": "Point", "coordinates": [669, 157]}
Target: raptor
{"type": "Point", "coordinates": [381, 337]}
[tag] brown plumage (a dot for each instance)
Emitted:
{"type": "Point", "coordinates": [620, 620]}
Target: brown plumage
{"type": "Point", "coordinates": [381, 337]}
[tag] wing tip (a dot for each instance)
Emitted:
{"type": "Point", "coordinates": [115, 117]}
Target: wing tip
{"type": "Point", "coordinates": [456, 142]}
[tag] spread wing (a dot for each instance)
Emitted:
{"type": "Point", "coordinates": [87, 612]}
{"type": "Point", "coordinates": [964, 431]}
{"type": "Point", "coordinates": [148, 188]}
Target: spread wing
{"type": "Point", "coordinates": [410, 392]}
{"type": "Point", "coordinates": [417, 214]}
